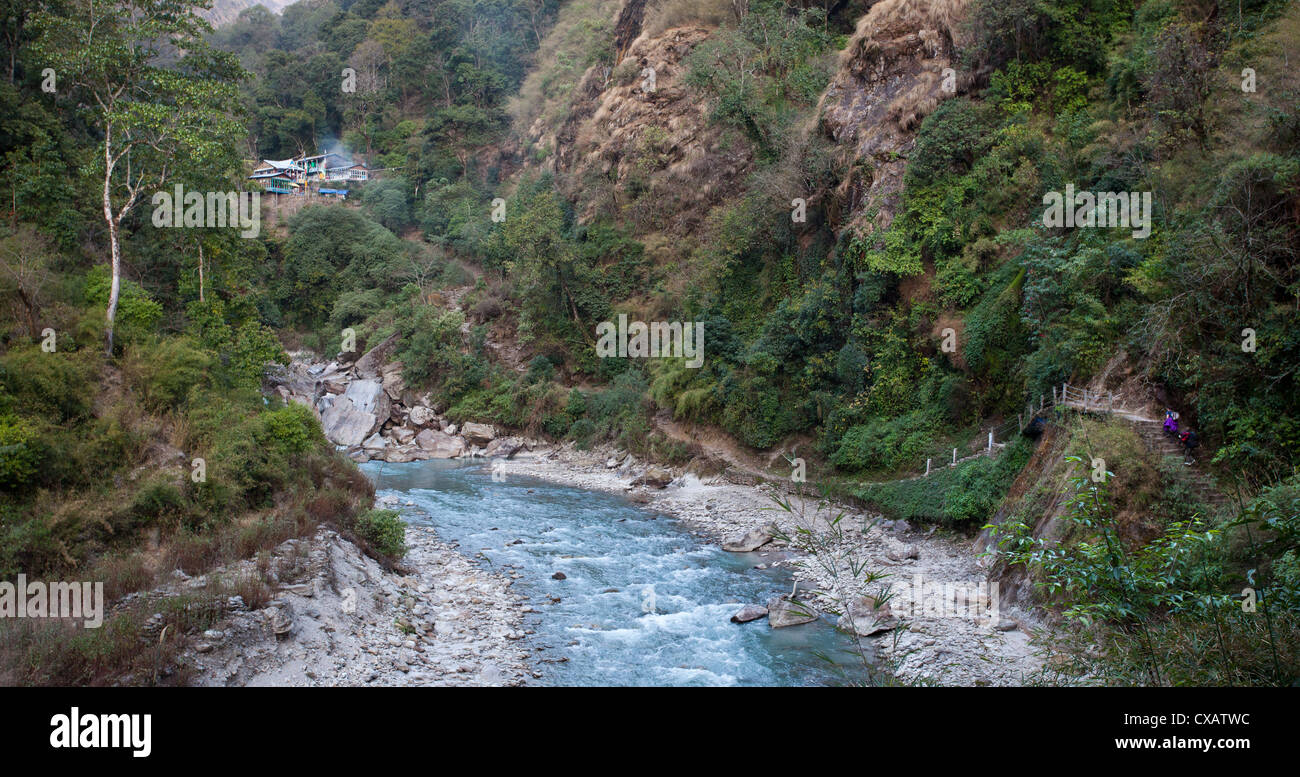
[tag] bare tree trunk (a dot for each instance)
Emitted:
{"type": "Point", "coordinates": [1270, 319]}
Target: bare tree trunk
{"type": "Point", "coordinates": [112, 239]}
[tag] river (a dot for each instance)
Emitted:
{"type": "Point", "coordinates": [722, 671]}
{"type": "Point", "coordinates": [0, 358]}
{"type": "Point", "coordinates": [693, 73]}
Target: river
{"type": "Point", "coordinates": [643, 601]}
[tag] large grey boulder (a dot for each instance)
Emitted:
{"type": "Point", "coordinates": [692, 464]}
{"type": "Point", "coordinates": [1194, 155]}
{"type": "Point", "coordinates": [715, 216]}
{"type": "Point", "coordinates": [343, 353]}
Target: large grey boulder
{"type": "Point", "coordinates": [750, 612]}
{"type": "Point", "coordinates": [479, 434]}
{"type": "Point", "coordinates": [345, 424]}
{"type": "Point", "coordinates": [783, 612]}
{"type": "Point", "coordinates": [654, 477]}
{"type": "Point", "coordinates": [750, 540]}
{"type": "Point", "coordinates": [440, 445]}
{"type": "Point", "coordinates": [370, 365]}
{"type": "Point", "coordinates": [504, 446]}
{"type": "Point", "coordinates": [368, 396]}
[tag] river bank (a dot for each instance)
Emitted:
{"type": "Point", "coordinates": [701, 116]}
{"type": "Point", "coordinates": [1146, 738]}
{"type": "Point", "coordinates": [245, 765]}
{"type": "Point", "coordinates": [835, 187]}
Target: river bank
{"type": "Point", "coordinates": [339, 619]}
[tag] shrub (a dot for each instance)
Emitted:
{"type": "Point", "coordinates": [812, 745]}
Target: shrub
{"type": "Point", "coordinates": [18, 455]}
{"type": "Point", "coordinates": [384, 530]}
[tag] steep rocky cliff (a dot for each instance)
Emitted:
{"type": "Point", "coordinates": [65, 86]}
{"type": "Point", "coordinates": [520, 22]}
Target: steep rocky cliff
{"type": "Point", "coordinates": [889, 78]}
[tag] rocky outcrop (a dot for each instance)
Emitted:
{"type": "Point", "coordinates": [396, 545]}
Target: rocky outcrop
{"type": "Point", "coordinates": [620, 128]}
{"type": "Point", "coordinates": [890, 76]}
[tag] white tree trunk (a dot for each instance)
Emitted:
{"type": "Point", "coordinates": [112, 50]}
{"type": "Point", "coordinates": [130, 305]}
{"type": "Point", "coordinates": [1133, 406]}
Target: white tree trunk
{"type": "Point", "coordinates": [112, 239]}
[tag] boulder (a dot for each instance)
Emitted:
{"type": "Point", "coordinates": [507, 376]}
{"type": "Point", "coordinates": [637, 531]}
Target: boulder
{"type": "Point", "coordinates": [440, 445]}
{"type": "Point", "coordinates": [394, 385]}
{"type": "Point", "coordinates": [346, 424]}
{"type": "Point", "coordinates": [375, 442]}
{"type": "Point", "coordinates": [370, 365]}
{"type": "Point", "coordinates": [901, 552]}
{"type": "Point", "coordinates": [448, 427]}
{"type": "Point", "coordinates": [783, 612]}
{"type": "Point", "coordinates": [504, 446]}
{"type": "Point", "coordinates": [401, 455]}
{"type": "Point", "coordinates": [654, 476]}
{"type": "Point", "coordinates": [335, 386]}
{"type": "Point", "coordinates": [750, 612]}
{"type": "Point", "coordinates": [282, 619]}
{"type": "Point", "coordinates": [368, 396]}
{"type": "Point", "coordinates": [403, 435]}
{"type": "Point", "coordinates": [867, 618]}
{"type": "Point", "coordinates": [479, 434]}
{"type": "Point", "coordinates": [421, 416]}
{"type": "Point", "coordinates": [750, 540]}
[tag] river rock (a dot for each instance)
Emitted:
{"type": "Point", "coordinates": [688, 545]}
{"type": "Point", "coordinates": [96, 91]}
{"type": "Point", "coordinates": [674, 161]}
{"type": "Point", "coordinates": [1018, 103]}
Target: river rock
{"type": "Point", "coordinates": [375, 442]}
{"type": "Point", "coordinates": [421, 416]}
{"type": "Point", "coordinates": [867, 618]}
{"type": "Point", "coordinates": [750, 540]}
{"type": "Point", "coordinates": [783, 612]}
{"type": "Point", "coordinates": [750, 612]}
{"type": "Point", "coordinates": [654, 476]}
{"type": "Point", "coordinates": [282, 619]}
{"type": "Point", "coordinates": [403, 435]}
{"type": "Point", "coordinates": [401, 455]}
{"type": "Point", "coordinates": [479, 434]}
{"type": "Point", "coordinates": [901, 552]}
{"type": "Point", "coordinates": [440, 445]}
{"type": "Point", "coordinates": [504, 446]}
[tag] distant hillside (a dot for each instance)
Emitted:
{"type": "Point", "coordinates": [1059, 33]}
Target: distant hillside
{"type": "Point", "coordinates": [226, 11]}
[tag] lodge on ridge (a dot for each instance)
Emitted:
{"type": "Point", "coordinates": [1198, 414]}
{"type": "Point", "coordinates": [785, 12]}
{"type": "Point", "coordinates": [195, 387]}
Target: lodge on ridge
{"type": "Point", "coordinates": [305, 174]}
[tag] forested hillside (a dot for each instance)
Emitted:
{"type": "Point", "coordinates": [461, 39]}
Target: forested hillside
{"type": "Point", "coordinates": [848, 195]}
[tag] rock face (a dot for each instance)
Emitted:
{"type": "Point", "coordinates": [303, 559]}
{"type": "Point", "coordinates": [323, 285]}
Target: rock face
{"type": "Point", "coordinates": [783, 612]}
{"type": "Point", "coordinates": [750, 612]}
{"type": "Point", "coordinates": [890, 77]}
{"type": "Point", "coordinates": [750, 540]}
{"type": "Point", "coordinates": [479, 434]}
{"type": "Point", "coordinates": [615, 124]}
{"type": "Point", "coordinates": [440, 445]}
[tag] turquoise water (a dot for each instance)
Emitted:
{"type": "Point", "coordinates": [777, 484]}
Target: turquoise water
{"type": "Point", "coordinates": [643, 602]}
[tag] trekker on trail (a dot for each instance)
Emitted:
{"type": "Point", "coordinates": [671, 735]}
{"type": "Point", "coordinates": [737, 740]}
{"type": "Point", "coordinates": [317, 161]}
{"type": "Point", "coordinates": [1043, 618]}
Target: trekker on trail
{"type": "Point", "coordinates": [1171, 423]}
{"type": "Point", "coordinates": [1189, 441]}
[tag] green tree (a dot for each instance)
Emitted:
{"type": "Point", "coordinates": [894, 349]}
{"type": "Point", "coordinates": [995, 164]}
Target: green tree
{"type": "Point", "coordinates": [154, 89]}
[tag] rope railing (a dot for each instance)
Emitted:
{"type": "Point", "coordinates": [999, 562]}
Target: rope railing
{"type": "Point", "coordinates": [1064, 395]}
